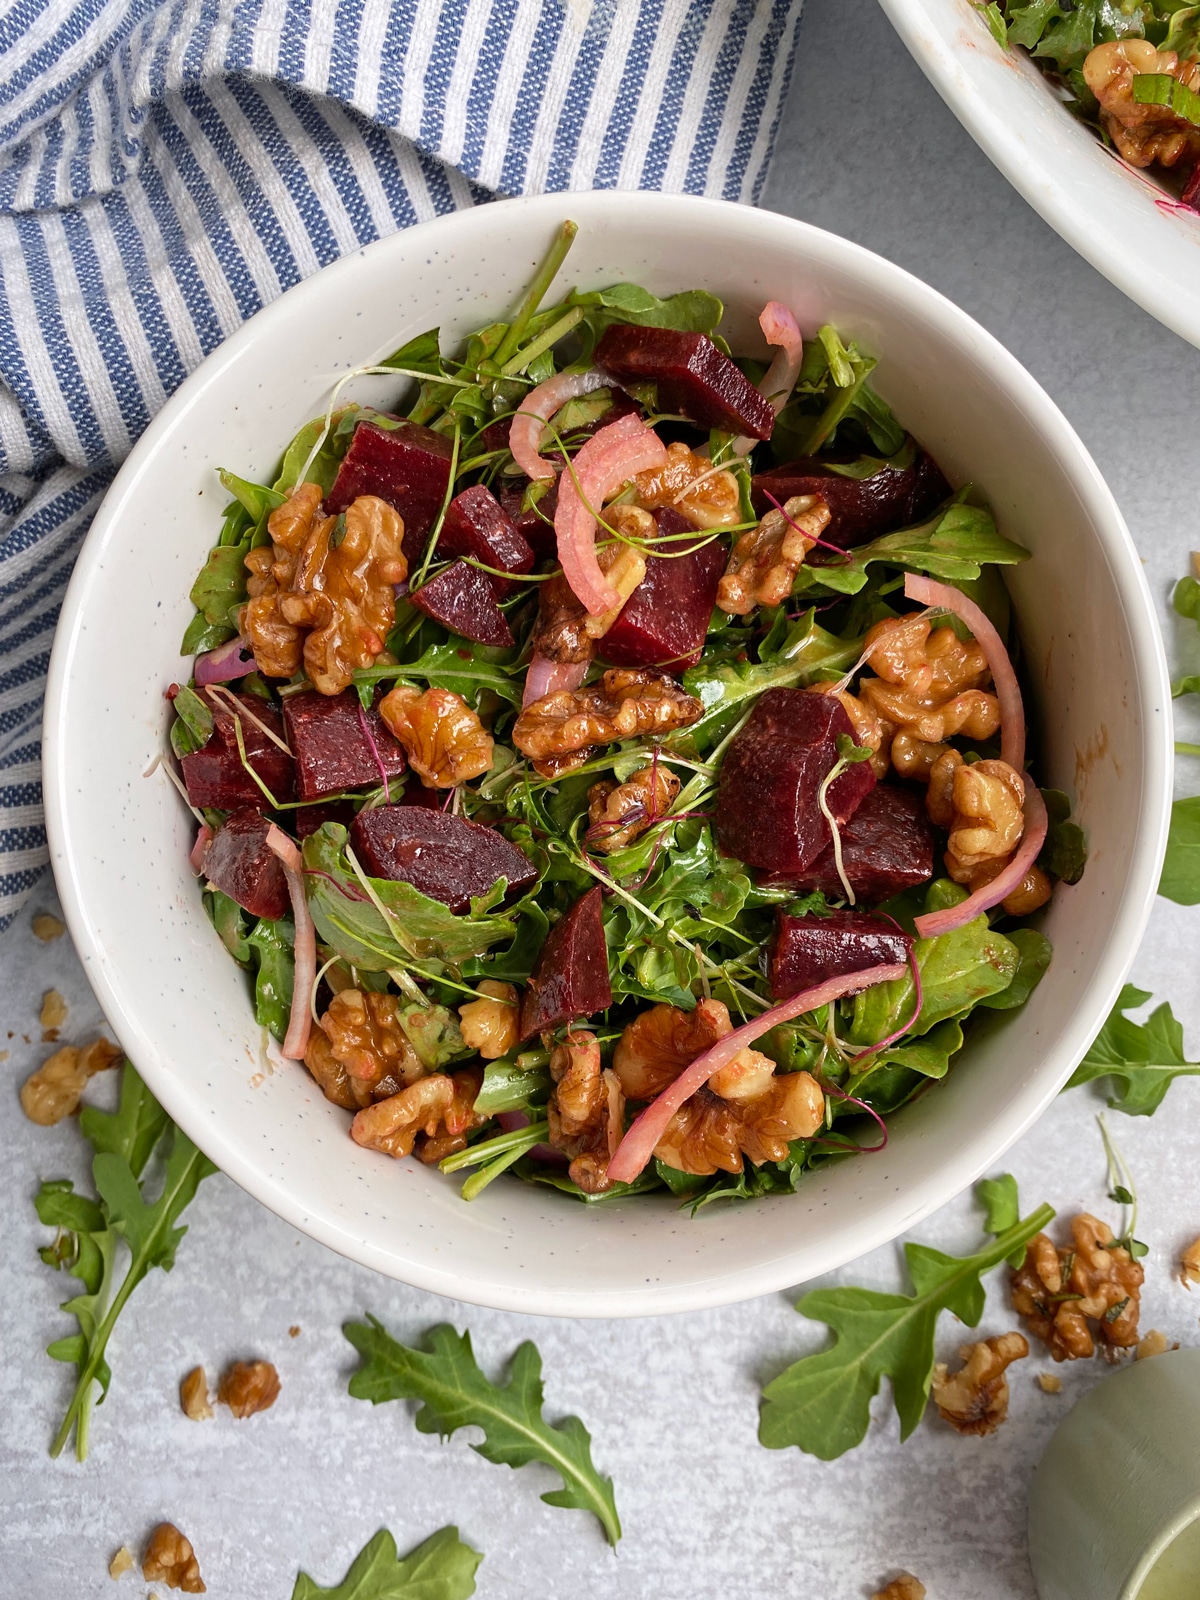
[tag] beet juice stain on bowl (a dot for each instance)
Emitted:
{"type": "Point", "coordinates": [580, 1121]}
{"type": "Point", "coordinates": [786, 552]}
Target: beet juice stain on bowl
{"type": "Point", "coordinates": [635, 825]}
{"type": "Point", "coordinates": [667, 848]}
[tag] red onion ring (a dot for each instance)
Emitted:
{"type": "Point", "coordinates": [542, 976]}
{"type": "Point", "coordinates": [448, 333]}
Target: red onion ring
{"type": "Point", "coordinates": [547, 677]}
{"type": "Point", "coordinates": [781, 329]}
{"type": "Point", "coordinates": [226, 662]}
{"type": "Point", "coordinates": [200, 849]}
{"type": "Point", "coordinates": [606, 461]}
{"type": "Point", "coordinates": [538, 407]}
{"type": "Point", "coordinates": [991, 894]}
{"type": "Point", "coordinates": [300, 1017]}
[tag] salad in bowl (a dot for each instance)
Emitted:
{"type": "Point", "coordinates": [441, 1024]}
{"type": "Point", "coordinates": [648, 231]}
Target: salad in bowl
{"type": "Point", "coordinates": [610, 761]}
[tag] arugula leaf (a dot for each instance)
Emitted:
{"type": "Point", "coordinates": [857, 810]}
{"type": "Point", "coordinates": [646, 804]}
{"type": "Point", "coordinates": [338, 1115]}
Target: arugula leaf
{"type": "Point", "coordinates": [510, 1086]}
{"type": "Point", "coordinates": [1002, 1203]}
{"type": "Point", "coordinates": [994, 18]}
{"type": "Point", "coordinates": [468, 669]}
{"type": "Point", "coordinates": [1035, 953]}
{"type": "Point", "coordinates": [1140, 1060]}
{"type": "Point", "coordinates": [1064, 31]}
{"type": "Point", "coordinates": [221, 584]}
{"type": "Point", "coordinates": [422, 354]}
{"type": "Point", "coordinates": [443, 1568]}
{"type": "Point", "coordinates": [257, 498]}
{"type": "Point", "coordinates": [1186, 601]}
{"type": "Point", "coordinates": [454, 1393]}
{"type": "Point", "coordinates": [230, 921]}
{"type": "Point", "coordinates": [692, 311]}
{"type": "Point", "coordinates": [324, 467]}
{"type": "Point", "coordinates": [833, 383]}
{"type": "Point", "coordinates": [1161, 89]}
{"type": "Point", "coordinates": [1180, 879]}
{"type": "Point", "coordinates": [1064, 854]}
{"type": "Point", "coordinates": [193, 725]}
{"type": "Point", "coordinates": [272, 944]}
{"type": "Point", "coordinates": [123, 1141]}
{"type": "Point", "coordinates": [821, 1403]}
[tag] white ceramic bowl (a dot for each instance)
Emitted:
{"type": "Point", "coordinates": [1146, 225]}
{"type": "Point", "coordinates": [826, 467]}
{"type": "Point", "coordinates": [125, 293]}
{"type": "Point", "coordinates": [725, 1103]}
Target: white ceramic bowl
{"type": "Point", "coordinates": [1119, 219]}
{"type": "Point", "coordinates": [119, 841]}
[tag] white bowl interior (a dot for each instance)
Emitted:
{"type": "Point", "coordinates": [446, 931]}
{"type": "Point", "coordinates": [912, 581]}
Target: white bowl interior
{"type": "Point", "coordinates": [120, 840]}
{"type": "Point", "coordinates": [1121, 220]}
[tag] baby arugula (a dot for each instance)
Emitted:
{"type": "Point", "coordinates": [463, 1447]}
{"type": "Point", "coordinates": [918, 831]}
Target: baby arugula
{"type": "Point", "coordinates": [822, 1403]}
{"type": "Point", "coordinates": [455, 1394]}
{"type": "Point", "coordinates": [443, 1568]}
{"type": "Point", "coordinates": [90, 1231]}
{"type": "Point", "coordinates": [1139, 1060]}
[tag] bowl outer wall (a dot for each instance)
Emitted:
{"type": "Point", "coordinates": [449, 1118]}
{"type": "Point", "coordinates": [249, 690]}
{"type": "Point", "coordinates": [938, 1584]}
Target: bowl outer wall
{"type": "Point", "coordinates": [1128, 226]}
{"type": "Point", "coordinates": [119, 842]}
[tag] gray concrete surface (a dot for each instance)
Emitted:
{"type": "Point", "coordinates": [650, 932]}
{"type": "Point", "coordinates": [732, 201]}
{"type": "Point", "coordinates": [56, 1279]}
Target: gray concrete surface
{"type": "Point", "coordinates": [866, 150]}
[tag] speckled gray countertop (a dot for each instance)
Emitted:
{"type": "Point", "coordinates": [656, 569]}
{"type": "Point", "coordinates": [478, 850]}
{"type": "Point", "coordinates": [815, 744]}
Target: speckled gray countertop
{"type": "Point", "coordinates": [866, 150]}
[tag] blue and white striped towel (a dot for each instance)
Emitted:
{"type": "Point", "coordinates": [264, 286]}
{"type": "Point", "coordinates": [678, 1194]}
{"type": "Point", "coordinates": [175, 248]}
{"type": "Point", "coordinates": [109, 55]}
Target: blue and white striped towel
{"type": "Point", "coordinates": [169, 166]}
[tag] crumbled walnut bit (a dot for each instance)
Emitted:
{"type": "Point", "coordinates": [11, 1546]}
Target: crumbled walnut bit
{"type": "Point", "coordinates": [707, 496]}
{"type": "Point", "coordinates": [622, 565]}
{"type": "Point", "coordinates": [1142, 133]}
{"type": "Point", "coordinates": [1071, 1297]}
{"type": "Point", "coordinates": [914, 758]}
{"type": "Point", "coordinates": [193, 1395]}
{"type": "Point", "coordinates": [870, 731]}
{"type": "Point", "coordinates": [247, 1387]}
{"type": "Point", "coordinates": [47, 928]}
{"type": "Point", "coordinates": [975, 1399]}
{"type": "Point", "coordinates": [170, 1559]}
{"type": "Point", "coordinates": [53, 1015]}
{"type": "Point", "coordinates": [56, 1088]}
{"type": "Point", "coordinates": [121, 1563]}
{"type": "Point", "coordinates": [1033, 891]}
{"type": "Point", "coordinates": [928, 687]}
{"type": "Point", "coordinates": [764, 1112]}
{"type": "Point", "coordinates": [560, 632]}
{"type": "Point", "coordinates": [443, 738]}
{"type": "Point", "coordinates": [625, 704]}
{"type": "Point", "coordinates": [490, 1024]}
{"type": "Point", "coordinates": [656, 1046]}
{"type": "Point", "coordinates": [586, 1110]}
{"type": "Point", "coordinates": [905, 1587]}
{"type": "Point", "coordinates": [294, 1331]}
{"type": "Point", "coordinates": [331, 1077]}
{"type": "Point", "coordinates": [619, 813]}
{"type": "Point", "coordinates": [765, 561]}
{"type": "Point", "coordinates": [981, 806]}
{"type": "Point", "coordinates": [1153, 1343]}
{"type": "Point", "coordinates": [1049, 1383]}
{"type": "Point", "coordinates": [1189, 1265]}
{"type": "Point", "coordinates": [440, 1107]}
{"type": "Point", "coordinates": [364, 1033]}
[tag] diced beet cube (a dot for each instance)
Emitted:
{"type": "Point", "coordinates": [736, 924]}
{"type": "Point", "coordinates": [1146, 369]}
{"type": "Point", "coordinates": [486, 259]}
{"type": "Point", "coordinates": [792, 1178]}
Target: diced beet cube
{"type": "Point", "coordinates": [416, 794]}
{"type": "Point", "coordinates": [408, 466]}
{"type": "Point", "coordinates": [887, 846]}
{"type": "Point", "coordinates": [859, 508]}
{"type": "Point", "coordinates": [477, 525]}
{"type": "Point", "coordinates": [216, 777]}
{"type": "Point", "coordinates": [445, 857]}
{"type": "Point", "coordinates": [665, 619]}
{"type": "Point", "coordinates": [462, 599]}
{"type": "Point", "coordinates": [694, 378]}
{"type": "Point", "coordinates": [310, 818]}
{"type": "Point", "coordinates": [535, 526]}
{"type": "Point", "coordinates": [332, 749]}
{"type": "Point", "coordinates": [808, 950]}
{"type": "Point", "coordinates": [242, 865]}
{"type": "Point", "coordinates": [767, 811]}
{"type": "Point", "coordinates": [571, 976]}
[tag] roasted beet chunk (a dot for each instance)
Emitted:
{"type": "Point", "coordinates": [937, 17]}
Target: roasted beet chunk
{"type": "Point", "coordinates": [216, 776]}
{"type": "Point", "coordinates": [859, 508]}
{"type": "Point", "coordinates": [331, 746]}
{"type": "Point", "coordinates": [571, 976]}
{"type": "Point", "coordinates": [694, 378]}
{"type": "Point", "coordinates": [767, 811]}
{"type": "Point", "coordinates": [477, 525]}
{"type": "Point", "coordinates": [462, 599]}
{"type": "Point", "coordinates": [445, 857]}
{"type": "Point", "coordinates": [536, 525]}
{"type": "Point", "coordinates": [808, 950]}
{"type": "Point", "coordinates": [664, 621]}
{"type": "Point", "coordinates": [408, 466]}
{"type": "Point", "coordinates": [887, 846]}
{"type": "Point", "coordinates": [240, 863]}
{"type": "Point", "coordinates": [310, 818]}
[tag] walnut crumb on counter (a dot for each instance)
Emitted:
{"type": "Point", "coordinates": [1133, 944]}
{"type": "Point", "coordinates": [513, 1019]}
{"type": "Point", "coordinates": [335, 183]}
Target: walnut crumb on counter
{"type": "Point", "coordinates": [1189, 1265]}
{"type": "Point", "coordinates": [1050, 1383]}
{"type": "Point", "coordinates": [294, 1331]}
{"type": "Point", "coordinates": [248, 1387]}
{"type": "Point", "coordinates": [905, 1587]}
{"type": "Point", "coordinates": [193, 1395]}
{"type": "Point", "coordinates": [121, 1563]}
{"type": "Point", "coordinates": [55, 1089]}
{"type": "Point", "coordinates": [170, 1559]}
{"type": "Point", "coordinates": [53, 1015]}
{"type": "Point", "coordinates": [47, 928]}
{"type": "Point", "coordinates": [1153, 1343]}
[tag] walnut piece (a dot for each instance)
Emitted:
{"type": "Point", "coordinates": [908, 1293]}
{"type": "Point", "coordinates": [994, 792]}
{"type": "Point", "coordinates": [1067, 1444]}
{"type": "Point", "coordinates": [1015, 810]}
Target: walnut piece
{"type": "Point", "coordinates": [323, 592]}
{"type": "Point", "coordinates": [121, 1563]}
{"type": "Point", "coordinates": [656, 1046]}
{"type": "Point", "coordinates": [193, 1395]}
{"type": "Point", "coordinates": [169, 1558]}
{"type": "Point", "coordinates": [1153, 1343]}
{"type": "Point", "coordinates": [440, 1108]}
{"type": "Point", "coordinates": [1142, 133]}
{"type": "Point", "coordinates": [47, 928]}
{"type": "Point", "coordinates": [560, 631]}
{"type": "Point", "coordinates": [1189, 1265]}
{"type": "Point", "coordinates": [975, 1399]}
{"type": "Point", "coordinates": [55, 1089]}
{"type": "Point", "coordinates": [763, 1113]}
{"type": "Point", "coordinates": [331, 1077]}
{"type": "Point", "coordinates": [52, 1016]}
{"type": "Point", "coordinates": [905, 1587]}
{"type": "Point", "coordinates": [707, 496]}
{"type": "Point", "coordinates": [443, 738]}
{"type": "Point", "coordinates": [365, 1036]}
{"type": "Point", "coordinates": [765, 561]}
{"type": "Point", "coordinates": [1072, 1296]}
{"type": "Point", "coordinates": [247, 1387]}
{"type": "Point", "coordinates": [929, 686]}
{"type": "Point", "coordinates": [870, 731]}
{"type": "Point", "coordinates": [490, 1024]}
{"type": "Point", "coordinates": [625, 704]}
{"type": "Point", "coordinates": [1033, 891]}
{"type": "Point", "coordinates": [1049, 1382]}
{"type": "Point", "coordinates": [981, 805]}
{"type": "Point", "coordinates": [619, 813]}
{"type": "Point", "coordinates": [586, 1110]}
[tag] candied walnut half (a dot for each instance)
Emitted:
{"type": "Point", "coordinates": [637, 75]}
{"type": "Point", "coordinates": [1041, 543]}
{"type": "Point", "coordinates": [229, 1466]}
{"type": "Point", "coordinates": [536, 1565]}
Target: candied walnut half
{"type": "Point", "coordinates": [981, 804]}
{"type": "Point", "coordinates": [170, 1559]}
{"type": "Point", "coordinates": [765, 561]}
{"type": "Point", "coordinates": [929, 687]}
{"type": "Point", "coordinates": [248, 1387]}
{"type": "Point", "coordinates": [586, 1110]}
{"type": "Point", "coordinates": [1142, 133]}
{"type": "Point", "coordinates": [975, 1399]}
{"type": "Point", "coordinates": [625, 704]}
{"type": "Point", "coordinates": [619, 813]}
{"type": "Point", "coordinates": [440, 1107]}
{"type": "Point", "coordinates": [756, 1115]}
{"type": "Point", "coordinates": [331, 1077]}
{"type": "Point", "coordinates": [193, 1395]}
{"type": "Point", "coordinates": [443, 738]}
{"type": "Point", "coordinates": [365, 1036]}
{"type": "Point", "coordinates": [905, 1587]}
{"type": "Point", "coordinates": [707, 496]}
{"type": "Point", "coordinates": [490, 1024]}
{"type": "Point", "coordinates": [656, 1046]}
{"type": "Point", "coordinates": [870, 730]}
{"type": "Point", "coordinates": [563, 630]}
{"type": "Point", "coordinates": [1072, 1296]}
{"type": "Point", "coordinates": [55, 1089]}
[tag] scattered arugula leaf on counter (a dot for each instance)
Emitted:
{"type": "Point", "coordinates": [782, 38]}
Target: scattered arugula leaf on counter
{"type": "Point", "coordinates": [822, 1403]}
{"type": "Point", "coordinates": [90, 1232]}
{"type": "Point", "coordinates": [454, 1393]}
{"type": "Point", "coordinates": [1002, 1203]}
{"type": "Point", "coordinates": [1180, 879]}
{"type": "Point", "coordinates": [1186, 601]}
{"type": "Point", "coordinates": [443, 1568]}
{"type": "Point", "coordinates": [1140, 1060]}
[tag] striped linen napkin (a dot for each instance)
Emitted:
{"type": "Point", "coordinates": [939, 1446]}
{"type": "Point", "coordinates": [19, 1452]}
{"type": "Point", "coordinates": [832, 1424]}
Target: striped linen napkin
{"type": "Point", "coordinates": [169, 166]}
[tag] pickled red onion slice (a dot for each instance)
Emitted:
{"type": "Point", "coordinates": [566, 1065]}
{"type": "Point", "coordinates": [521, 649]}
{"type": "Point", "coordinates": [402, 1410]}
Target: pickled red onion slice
{"type": "Point", "coordinates": [300, 1017]}
{"type": "Point", "coordinates": [644, 1133]}
{"type": "Point", "coordinates": [547, 677]}
{"type": "Point", "coordinates": [781, 329]}
{"type": "Point", "coordinates": [226, 662]}
{"type": "Point", "coordinates": [538, 407]}
{"type": "Point", "coordinates": [1004, 883]}
{"type": "Point", "coordinates": [607, 461]}
{"type": "Point", "coordinates": [200, 849]}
